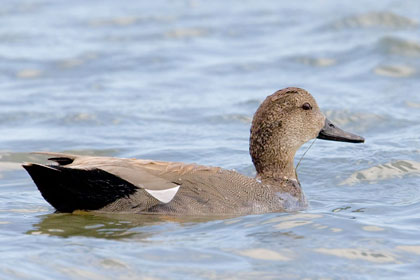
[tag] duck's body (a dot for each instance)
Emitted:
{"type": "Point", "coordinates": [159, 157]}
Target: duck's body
{"type": "Point", "coordinates": [284, 121]}
{"type": "Point", "coordinates": [139, 186]}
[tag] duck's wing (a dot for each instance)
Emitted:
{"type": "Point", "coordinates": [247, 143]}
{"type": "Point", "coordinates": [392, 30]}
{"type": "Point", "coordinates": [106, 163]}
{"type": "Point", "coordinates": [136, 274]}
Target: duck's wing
{"type": "Point", "coordinates": [78, 174]}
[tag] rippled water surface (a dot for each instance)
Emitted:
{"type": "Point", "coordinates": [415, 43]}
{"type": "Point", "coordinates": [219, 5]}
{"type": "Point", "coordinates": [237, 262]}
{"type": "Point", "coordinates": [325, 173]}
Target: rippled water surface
{"type": "Point", "coordinates": [180, 81]}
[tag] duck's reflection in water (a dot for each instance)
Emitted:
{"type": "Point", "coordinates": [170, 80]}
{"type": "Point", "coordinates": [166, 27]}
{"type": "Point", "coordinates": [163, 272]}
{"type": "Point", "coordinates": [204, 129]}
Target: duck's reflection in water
{"type": "Point", "coordinates": [109, 225]}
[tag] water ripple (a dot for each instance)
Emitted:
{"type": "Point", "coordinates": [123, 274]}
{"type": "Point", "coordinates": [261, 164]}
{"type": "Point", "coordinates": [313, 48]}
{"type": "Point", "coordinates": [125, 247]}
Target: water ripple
{"type": "Point", "coordinates": [375, 19]}
{"type": "Point", "coordinates": [386, 171]}
{"type": "Point", "coordinates": [399, 46]}
{"type": "Point", "coordinates": [397, 71]}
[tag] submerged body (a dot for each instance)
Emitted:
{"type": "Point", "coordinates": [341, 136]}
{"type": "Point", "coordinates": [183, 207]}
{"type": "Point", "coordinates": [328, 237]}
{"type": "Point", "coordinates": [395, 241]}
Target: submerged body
{"type": "Point", "coordinates": [283, 122]}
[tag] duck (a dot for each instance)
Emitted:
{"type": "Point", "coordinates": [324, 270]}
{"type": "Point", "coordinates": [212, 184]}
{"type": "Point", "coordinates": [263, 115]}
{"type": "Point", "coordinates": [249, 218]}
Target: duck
{"type": "Point", "coordinates": [284, 121]}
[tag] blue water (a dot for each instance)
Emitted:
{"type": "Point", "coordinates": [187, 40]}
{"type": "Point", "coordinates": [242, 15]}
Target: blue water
{"type": "Point", "coordinates": [180, 81]}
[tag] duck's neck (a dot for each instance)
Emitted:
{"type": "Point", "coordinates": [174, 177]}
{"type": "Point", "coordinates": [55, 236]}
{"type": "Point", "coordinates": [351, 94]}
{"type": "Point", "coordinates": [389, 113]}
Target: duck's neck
{"type": "Point", "coordinates": [273, 162]}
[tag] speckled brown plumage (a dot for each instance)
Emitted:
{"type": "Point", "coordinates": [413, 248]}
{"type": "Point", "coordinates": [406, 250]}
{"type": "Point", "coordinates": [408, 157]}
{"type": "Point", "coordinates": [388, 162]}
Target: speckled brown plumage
{"type": "Point", "coordinates": [284, 121]}
{"type": "Point", "coordinates": [279, 128]}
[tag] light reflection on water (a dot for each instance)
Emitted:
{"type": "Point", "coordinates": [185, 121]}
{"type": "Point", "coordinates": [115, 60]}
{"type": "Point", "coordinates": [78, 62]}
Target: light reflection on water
{"type": "Point", "coordinates": [180, 81]}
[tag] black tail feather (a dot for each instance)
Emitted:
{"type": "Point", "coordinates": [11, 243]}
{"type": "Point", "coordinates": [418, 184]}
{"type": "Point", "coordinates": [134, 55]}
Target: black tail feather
{"type": "Point", "coordinates": [68, 189]}
{"type": "Point", "coordinates": [62, 160]}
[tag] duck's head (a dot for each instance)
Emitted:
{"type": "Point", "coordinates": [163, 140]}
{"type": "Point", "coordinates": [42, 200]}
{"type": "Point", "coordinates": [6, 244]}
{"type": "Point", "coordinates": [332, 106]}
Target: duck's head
{"type": "Point", "coordinates": [284, 122]}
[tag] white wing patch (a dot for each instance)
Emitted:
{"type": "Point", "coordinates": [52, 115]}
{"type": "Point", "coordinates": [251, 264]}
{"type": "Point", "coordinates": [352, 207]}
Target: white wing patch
{"type": "Point", "coordinates": [164, 196]}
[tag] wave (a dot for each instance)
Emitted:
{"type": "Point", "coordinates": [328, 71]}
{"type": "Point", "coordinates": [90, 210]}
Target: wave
{"type": "Point", "coordinates": [390, 170]}
{"type": "Point", "coordinates": [396, 71]}
{"type": "Point", "coordinates": [375, 19]}
{"type": "Point", "coordinates": [399, 46]}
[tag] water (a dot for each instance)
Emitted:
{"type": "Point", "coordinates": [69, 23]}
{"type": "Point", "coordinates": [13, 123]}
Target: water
{"type": "Point", "coordinates": [179, 81]}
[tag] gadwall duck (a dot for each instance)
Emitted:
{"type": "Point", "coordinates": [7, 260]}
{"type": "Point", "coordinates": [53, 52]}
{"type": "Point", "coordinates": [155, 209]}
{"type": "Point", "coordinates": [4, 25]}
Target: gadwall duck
{"type": "Point", "coordinates": [283, 122]}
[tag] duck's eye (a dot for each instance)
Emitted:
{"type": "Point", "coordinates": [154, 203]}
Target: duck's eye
{"type": "Point", "coordinates": [306, 106]}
